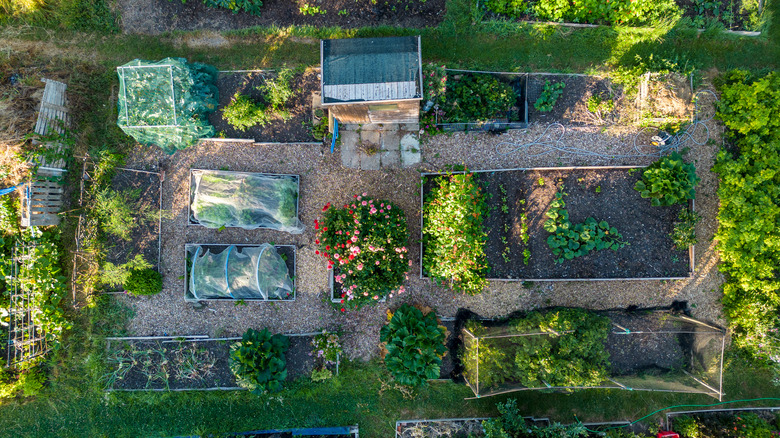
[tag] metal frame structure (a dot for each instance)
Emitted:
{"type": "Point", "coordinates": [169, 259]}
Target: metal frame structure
{"type": "Point", "coordinates": [26, 338]}
{"type": "Point", "coordinates": [173, 96]}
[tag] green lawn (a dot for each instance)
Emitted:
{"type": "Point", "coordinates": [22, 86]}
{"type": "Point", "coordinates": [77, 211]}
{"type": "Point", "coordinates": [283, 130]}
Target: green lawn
{"type": "Point", "coordinates": [74, 404]}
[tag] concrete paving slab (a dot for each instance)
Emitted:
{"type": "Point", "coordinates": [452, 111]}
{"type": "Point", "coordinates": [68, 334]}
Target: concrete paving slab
{"type": "Point", "coordinates": [410, 150]}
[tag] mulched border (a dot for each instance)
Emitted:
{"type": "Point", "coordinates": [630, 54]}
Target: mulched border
{"type": "Point", "coordinates": [633, 262]}
{"type": "Point", "coordinates": [289, 250]}
{"type": "Point", "coordinates": [299, 362]}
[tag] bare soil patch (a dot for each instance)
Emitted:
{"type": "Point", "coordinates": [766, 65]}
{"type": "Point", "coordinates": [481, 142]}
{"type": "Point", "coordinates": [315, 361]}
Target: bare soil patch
{"type": "Point", "coordinates": [159, 16]}
{"type": "Point", "coordinates": [571, 108]}
{"type": "Point", "coordinates": [295, 129]}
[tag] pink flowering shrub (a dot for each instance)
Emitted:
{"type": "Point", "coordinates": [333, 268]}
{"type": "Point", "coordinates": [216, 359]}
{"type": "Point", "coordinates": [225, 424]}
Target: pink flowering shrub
{"type": "Point", "coordinates": [365, 243]}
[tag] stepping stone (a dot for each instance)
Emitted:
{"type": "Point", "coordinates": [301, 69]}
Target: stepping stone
{"type": "Point", "coordinates": [349, 152]}
{"type": "Point", "coordinates": [391, 141]}
{"type": "Point", "coordinates": [410, 150]}
{"type": "Point", "coordinates": [370, 162]}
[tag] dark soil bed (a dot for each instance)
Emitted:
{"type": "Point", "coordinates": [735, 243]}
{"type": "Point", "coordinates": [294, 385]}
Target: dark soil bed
{"type": "Point", "coordinates": [603, 193]}
{"type": "Point", "coordinates": [144, 239]}
{"type": "Point", "coordinates": [737, 20]}
{"type": "Point", "coordinates": [648, 353]}
{"type": "Point", "coordinates": [515, 116]}
{"type": "Point", "coordinates": [158, 16]}
{"type": "Point", "coordinates": [295, 129]}
{"type": "Point", "coordinates": [299, 364]}
{"type": "Point", "coordinates": [721, 424]}
{"type": "Point", "coordinates": [571, 108]}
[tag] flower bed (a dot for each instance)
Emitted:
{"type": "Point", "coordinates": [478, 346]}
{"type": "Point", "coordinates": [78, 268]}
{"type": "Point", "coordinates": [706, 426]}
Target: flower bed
{"type": "Point", "coordinates": [725, 423]}
{"type": "Point", "coordinates": [220, 199]}
{"type": "Point", "coordinates": [517, 245]}
{"type": "Point", "coordinates": [364, 243]}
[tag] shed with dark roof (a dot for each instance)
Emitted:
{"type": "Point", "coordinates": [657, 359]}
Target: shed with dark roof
{"type": "Point", "coordinates": [372, 80]}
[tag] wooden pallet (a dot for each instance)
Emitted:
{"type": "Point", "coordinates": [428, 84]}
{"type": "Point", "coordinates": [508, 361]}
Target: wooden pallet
{"type": "Point", "coordinates": [53, 117]}
{"type": "Point", "coordinates": [41, 202]}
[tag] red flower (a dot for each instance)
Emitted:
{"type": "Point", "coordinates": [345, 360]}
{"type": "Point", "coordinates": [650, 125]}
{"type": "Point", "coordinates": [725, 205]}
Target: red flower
{"type": "Point", "coordinates": [316, 226]}
{"type": "Point", "coordinates": [351, 257]}
{"type": "Point", "coordinates": [317, 241]}
{"type": "Point", "coordinates": [327, 247]}
{"type": "Point", "coordinates": [326, 207]}
{"type": "Point", "coordinates": [324, 228]}
{"type": "Point", "coordinates": [317, 252]}
{"type": "Point", "coordinates": [342, 309]}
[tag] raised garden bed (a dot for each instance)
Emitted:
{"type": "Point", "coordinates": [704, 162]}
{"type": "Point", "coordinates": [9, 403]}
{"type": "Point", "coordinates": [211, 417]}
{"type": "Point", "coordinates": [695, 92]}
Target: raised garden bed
{"type": "Point", "coordinates": [605, 193]}
{"type": "Point", "coordinates": [159, 16]}
{"type": "Point", "coordinates": [451, 427]}
{"type": "Point", "coordinates": [195, 363]}
{"type": "Point", "coordinates": [643, 350]}
{"type": "Point", "coordinates": [571, 108]}
{"type": "Point", "coordinates": [297, 128]}
{"type": "Point", "coordinates": [286, 252]}
{"type": "Point", "coordinates": [737, 16]}
{"type": "Point", "coordinates": [721, 423]}
{"type": "Point", "coordinates": [221, 199]}
{"type": "Point", "coordinates": [513, 116]}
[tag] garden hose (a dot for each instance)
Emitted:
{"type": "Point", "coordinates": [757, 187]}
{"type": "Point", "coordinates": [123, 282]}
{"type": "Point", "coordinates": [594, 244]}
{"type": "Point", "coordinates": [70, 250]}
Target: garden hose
{"type": "Point", "coordinates": [549, 142]}
{"type": "Point", "coordinates": [686, 406]}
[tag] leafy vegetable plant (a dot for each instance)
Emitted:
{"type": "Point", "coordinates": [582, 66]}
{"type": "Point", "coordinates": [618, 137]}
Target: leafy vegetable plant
{"type": "Point", "coordinates": [415, 346]}
{"type": "Point", "coordinates": [684, 233]}
{"type": "Point", "coordinates": [549, 96]}
{"type": "Point", "coordinates": [453, 236]}
{"type": "Point", "coordinates": [477, 97]}
{"type": "Point", "coordinates": [242, 112]}
{"type": "Point", "coordinates": [574, 240]}
{"type": "Point", "coordinates": [258, 361]}
{"type": "Point", "coordinates": [668, 181]}
{"type": "Point", "coordinates": [248, 6]}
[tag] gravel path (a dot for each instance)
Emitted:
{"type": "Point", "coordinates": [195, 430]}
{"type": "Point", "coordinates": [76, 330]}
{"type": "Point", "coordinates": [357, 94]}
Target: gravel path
{"type": "Point", "coordinates": [323, 179]}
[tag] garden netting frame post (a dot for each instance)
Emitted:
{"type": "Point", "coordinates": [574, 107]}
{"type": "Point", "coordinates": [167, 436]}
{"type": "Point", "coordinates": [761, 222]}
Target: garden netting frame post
{"type": "Point", "coordinates": [688, 356]}
{"type": "Point", "coordinates": [26, 338]}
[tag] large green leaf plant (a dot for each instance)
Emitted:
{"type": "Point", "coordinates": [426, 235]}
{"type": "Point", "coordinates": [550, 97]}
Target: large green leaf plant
{"type": "Point", "coordinates": [415, 346]}
{"type": "Point", "coordinates": [258, 361]}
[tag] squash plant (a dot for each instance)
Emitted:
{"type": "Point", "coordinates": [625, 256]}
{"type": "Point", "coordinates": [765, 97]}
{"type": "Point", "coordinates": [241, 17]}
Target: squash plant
{"type": "Point", "coordinates": [668, 181]}
{"type": "Point", "coordinates": [415, 346]}
{"type": "Point", "coordinates": [568, 240]}
{"type": "Point", "coordinates": [258, 361]}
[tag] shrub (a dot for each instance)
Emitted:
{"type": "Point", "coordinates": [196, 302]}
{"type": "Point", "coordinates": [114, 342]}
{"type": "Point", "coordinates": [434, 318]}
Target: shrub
{"type": "Point", "coordinates": [277, 91]}
{"type": "Point", "coordinates": [117, 275]}
{"type": "Point", "coordinates": [510, 8]}
{"type": "Point", "coordinates": [242, 112]}
{"type": "Point", "coordinates": [326, 348]}
{"type": "Point", "coordinates": [118, 211]}
{"type": "Point", "coordinates": [258, 361]}
{"type": "Point", "coordinates": [571, 354]}
{"type": "Point", "coordinates": [435, 83]}
{"type": "Point", "coordinates": [478, 97]}
{"type": "Point", "coordinates": [453, 237]}
{"type": "Point", "coordinates": [684, 233]}
{"type": "Point", "coordinates": [320, 130]}
{"type": "Point", "coordinates": [668, 181]}
{"type": "Point", "coordinates": [574, 240]}
{"type": "Point", "coordinates": [248, 6]}
{"type": "Point", "coordinates": [144, 282]}
{"type": "Point", "coordinates": [415, 346]}
{"type": "Point", "coordinates": [549, 96]}
{"type": "Point", "coordinates": [750, 425]}
{"type": "Point", "coordinates": [366, 241]}
{"type": "Point", "coordinates": [687, 427]}
{"type": "Point", "coordinates": [625, 12]}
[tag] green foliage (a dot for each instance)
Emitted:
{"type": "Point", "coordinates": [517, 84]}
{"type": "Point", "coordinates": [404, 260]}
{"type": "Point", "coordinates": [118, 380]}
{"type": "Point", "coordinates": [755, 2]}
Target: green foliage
{"type": "Point", "coordinates": [319, 375]}
{"type": "Point", "coordinates": [308, 9]}
{"type": "Point", "coordinates": [277, 91]}
{"type": "Point", "coordinates": [569, 352]}
{"type": "Point", "coordinates": [326, 348]}
{"type": "Point", "coordinates": [453, 237]}
{"type": "Point", "coordinates": [366, 241]}
{"type": "Point", "coordinates": [600, 106]}
{"type": "Point", "coordinates": [249, 6]}
{"type": "Point", "coordinates": [28, 382]}
{"type": "Point", "coordinates": [477, 97]}
{"type": "Point", "coordinates": [684, 233]}
{"type": "Point", "coordinates": [687, 427]}
{"type": "Point", "coordinates": [144, 282]}
{"type": "Point", "coordinates": [668, 181]}
{"type": "Point", "coordinates": [510, 8]}
{"type": "Point", "coordinates": [242, 112]}
{"type": "Point", "coordinates": [749, 190]}
{"type": "Point", "coordinates": [320, 130]}
{"type": "Point", "coordinates": [750, 425]}
{"type": "Point", "coordinates": [89, 16]}
{"type": "Point", "coordinates": [117, 275]}
{"type": "Point", "coordinates": [415, 346]}
{"type": "Point", "coordinates": [574, 240]}
{"type": "Point", "coordinates": [119, 212]}
{"type": "Point", "coordinates": [549, 96]}
{"type": "Point", "coordinates": [258, 361]}
{"type": "Point", "coordinates": [616, 12]}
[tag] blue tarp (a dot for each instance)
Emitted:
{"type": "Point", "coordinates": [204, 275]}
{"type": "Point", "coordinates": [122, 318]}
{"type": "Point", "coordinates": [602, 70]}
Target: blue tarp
{"type": "Point", "coordinates": [8, 190]}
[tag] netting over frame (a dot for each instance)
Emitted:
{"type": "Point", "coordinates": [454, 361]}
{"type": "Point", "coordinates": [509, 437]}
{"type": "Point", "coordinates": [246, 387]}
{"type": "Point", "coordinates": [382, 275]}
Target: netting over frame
{"type": "Point", "coordinates": [26, 338]}
{"type": "Point", "coordinates": [248, 273]}
{"type": "Point", "coordinates": [245, 200]}
{"type": "Point", "coordinates": [645, 350]}
{"type": "Point", "coordinates": [166, 103]}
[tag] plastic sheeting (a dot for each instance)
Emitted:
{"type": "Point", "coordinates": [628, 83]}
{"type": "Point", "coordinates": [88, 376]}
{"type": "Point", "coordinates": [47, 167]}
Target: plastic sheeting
{"type": "Point", "coordinates": [250, 273]}
{"type": "Point", "coordinates": [245, 200]}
